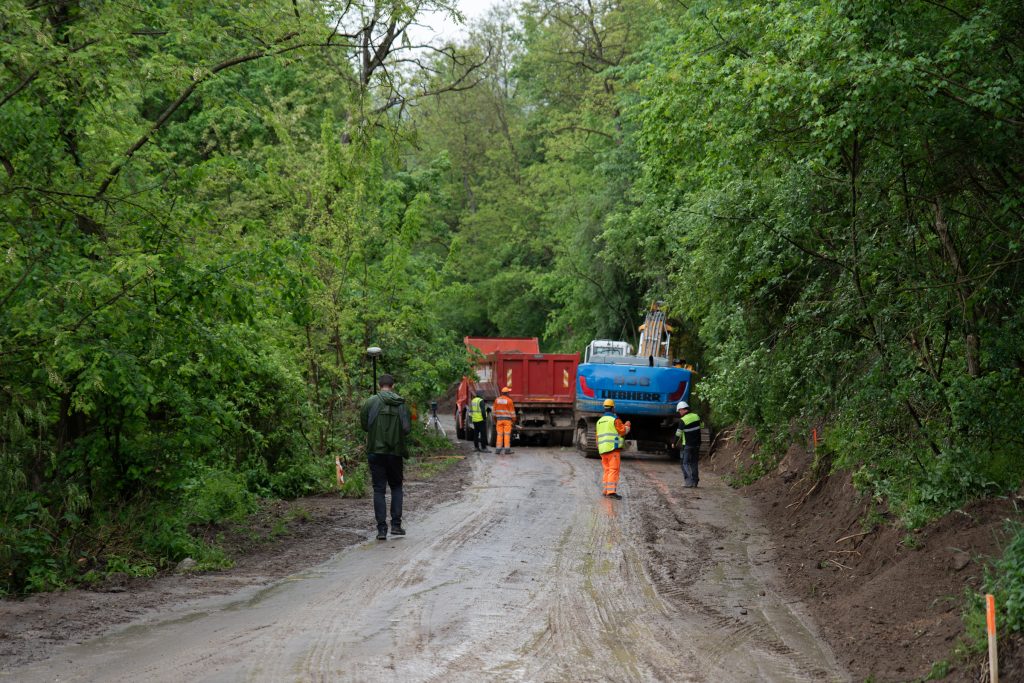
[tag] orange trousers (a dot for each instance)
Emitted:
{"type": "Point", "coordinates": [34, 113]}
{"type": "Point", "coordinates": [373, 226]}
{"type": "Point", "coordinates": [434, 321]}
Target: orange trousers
{"type": "Point", "coordinates": [503, 432]}
{"type": "Point", "coordinates": [610, 462]}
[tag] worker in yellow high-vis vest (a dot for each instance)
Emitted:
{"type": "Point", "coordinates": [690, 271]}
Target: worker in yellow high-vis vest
{"type": "Point", "coordinates": [611, 433]}
{"type": "Point", "coordinates": [688, 436]}
{"type": "Point", "coordinates": [477, 411]}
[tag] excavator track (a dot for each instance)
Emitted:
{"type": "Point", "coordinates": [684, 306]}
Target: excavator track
{"type": "Point", "coordinates": [586, 439]}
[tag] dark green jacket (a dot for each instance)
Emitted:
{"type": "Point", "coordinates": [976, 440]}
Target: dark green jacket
{"type": "Point", "coordinates": [386, 421]}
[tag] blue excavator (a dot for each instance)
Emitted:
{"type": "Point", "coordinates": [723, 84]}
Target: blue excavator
{"type": "Point", "coordinates": [645, 385]}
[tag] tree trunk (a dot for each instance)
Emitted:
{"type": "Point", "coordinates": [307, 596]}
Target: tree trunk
{"type": "Point", "coordinates": [972, 344]}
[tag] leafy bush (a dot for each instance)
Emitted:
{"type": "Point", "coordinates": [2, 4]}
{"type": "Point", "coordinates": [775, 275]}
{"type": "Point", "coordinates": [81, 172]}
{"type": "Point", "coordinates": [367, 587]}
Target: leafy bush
{"type": "Point", "coordinates": [301, 476]}
{"type": "Point", "coordinates": [426, 440]}
{"type": "Point", "coordinates": [1005, 580]}
{"type": "Point", "coordinates": [29, 557]}
{"type": "Point", "coordinates": [216, 495]}
{"type": "Point", "coordinates": [357, 481]}
{"type": "Point", "coordinates": [164, 537]}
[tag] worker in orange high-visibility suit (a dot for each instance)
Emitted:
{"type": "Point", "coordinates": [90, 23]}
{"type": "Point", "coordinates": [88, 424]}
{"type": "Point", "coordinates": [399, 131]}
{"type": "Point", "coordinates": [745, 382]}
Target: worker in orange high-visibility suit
{"type": "Point", "coordinates": [504, 412]}
{"type": "Point", "coordinates": [610, 440]}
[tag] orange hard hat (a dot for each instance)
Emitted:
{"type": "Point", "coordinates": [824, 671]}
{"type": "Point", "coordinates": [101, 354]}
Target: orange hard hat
{"type": "Point", "coordinates": [506, 390]}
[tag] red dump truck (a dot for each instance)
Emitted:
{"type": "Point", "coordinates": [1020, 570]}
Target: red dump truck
{"type": "Point", "coordinates": [543, 390]}
{"type": "Point", "coordinates": [478, 349]}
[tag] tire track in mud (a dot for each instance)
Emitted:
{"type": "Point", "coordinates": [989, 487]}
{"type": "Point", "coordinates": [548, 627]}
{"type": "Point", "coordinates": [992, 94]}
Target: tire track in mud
{"type": "Point", "coordinates": [508, 522]}
{"type": "Point", "coordinates": [707, 555]}
{"type": "Point", "coordinates": [530, 576]}
{"type": "Point", "coordinates": [417, 628]}
{"type": "Point", "coordinates": [600, 627]}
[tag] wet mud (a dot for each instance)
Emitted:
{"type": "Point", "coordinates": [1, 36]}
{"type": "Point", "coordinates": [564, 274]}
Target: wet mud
{"type": "Point", "coordinates": [530, 575]}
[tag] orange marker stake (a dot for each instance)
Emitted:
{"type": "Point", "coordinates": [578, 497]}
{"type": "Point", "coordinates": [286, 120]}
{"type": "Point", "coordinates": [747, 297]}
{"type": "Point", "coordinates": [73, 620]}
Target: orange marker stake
{"type": "Point", "coordinates": [993, 651]}
{"type": "Point", "coordinates": [814, 437]}
{"type": "Point", "coordinates": [340, 470]}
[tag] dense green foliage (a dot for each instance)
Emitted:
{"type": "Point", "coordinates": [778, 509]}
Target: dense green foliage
{"type": "Point", "coordinates": [844, 184]}
{"type": "Point", "coordinates": [204, 224]}
{"type": "Point", "coordinates": [1006, 583]}
{"type": "Point", "coordinates": [209, 211]}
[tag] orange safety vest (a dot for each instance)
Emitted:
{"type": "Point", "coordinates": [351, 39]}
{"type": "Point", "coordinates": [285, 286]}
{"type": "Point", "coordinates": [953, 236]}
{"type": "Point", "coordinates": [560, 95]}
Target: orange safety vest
{"type": "Point", "coordinates": [503, 408]}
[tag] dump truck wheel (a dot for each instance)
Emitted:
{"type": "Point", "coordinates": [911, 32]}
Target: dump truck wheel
{"type": "Point", "coordinates": [467, 426]}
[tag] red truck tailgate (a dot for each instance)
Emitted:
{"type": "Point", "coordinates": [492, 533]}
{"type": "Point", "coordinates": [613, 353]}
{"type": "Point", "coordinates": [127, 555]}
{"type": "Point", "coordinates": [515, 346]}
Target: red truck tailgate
{"type": "Point", "coordinates": [537, 377]}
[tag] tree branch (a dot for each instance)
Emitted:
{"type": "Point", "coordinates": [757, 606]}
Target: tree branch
{"type": "Point", "coordinates": [953, 96]}
{"type": "Point", "coordinates": [17, 285]}
{"type": "Point", "coordinates": [115, 168]}
{"type": "Point", "coordinates": [25, 82]}
{"type": "Point", "coordinates": [21, 86]}
{"type": "Point", "coordinates": [945, 7]}
{"type": "Point", "coordinates": [585, 130]}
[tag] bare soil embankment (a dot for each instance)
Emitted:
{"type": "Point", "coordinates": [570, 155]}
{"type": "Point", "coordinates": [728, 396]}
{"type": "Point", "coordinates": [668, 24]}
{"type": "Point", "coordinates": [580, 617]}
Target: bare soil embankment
{"type": "Point", "coordinates": [888, 601]}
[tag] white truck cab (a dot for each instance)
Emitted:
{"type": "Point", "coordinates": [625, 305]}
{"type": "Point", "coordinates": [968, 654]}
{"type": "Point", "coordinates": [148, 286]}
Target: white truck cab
{"type": "Point", "coordinates": [606, 351]}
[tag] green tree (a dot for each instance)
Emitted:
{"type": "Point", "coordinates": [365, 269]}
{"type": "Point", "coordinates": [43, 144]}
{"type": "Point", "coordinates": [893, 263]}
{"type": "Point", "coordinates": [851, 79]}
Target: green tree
{"type": "Point", "coordinates": [836, 179]}
{"type": "Point", "coordinates": [185, 229]}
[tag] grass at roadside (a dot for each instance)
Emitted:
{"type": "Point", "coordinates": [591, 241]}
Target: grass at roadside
{"type": "Point", "coordinates": [431, 454]}
{"type": "Point", "coordinates": [431, 466]}
{"type": "Point", "coordinates": [217, 515]}
{"type": "Point", "coordinates": [1004, 578]}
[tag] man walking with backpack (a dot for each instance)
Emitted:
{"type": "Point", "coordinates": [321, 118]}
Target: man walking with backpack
{"type": "Point", "coordinates": [385, 419]}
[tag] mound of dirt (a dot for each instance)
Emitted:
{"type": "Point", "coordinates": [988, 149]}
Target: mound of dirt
{"type": "Point", "coordinates": [889, 601]}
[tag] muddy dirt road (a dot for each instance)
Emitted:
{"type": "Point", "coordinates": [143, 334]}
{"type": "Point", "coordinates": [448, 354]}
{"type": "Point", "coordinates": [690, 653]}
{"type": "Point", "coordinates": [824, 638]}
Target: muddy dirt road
{"type": "Point", "coordinates": [530, 576]}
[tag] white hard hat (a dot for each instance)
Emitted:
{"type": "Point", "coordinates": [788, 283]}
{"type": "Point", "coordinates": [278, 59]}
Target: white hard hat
{"type": "Point", "coordinates": [682, 405]}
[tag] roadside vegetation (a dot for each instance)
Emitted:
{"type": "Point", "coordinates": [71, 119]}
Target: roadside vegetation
{"type": "Point", "coordinates": [205, 221]}
{"type": "Point", "coordinates": [1005, 580]}
{"type": "Point", "coordinates": [210, 212]}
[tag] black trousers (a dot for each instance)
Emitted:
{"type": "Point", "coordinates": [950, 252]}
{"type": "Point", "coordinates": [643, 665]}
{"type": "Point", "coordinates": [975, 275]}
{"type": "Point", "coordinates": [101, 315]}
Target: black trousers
{"type": "Point", "coordinates": [386, 470]}
{"type": "Point", "coordinates": [480, 435]}
{"type": "Point", "coordinates": [688, 461]}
